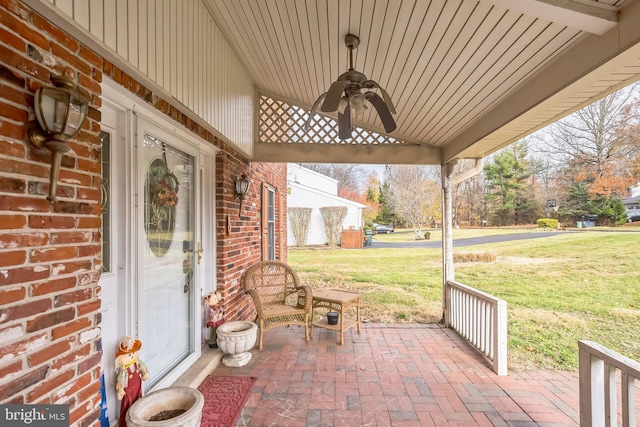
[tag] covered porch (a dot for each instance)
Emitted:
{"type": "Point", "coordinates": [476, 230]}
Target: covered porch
{"type": "Point", "coordinates": [395, 375]}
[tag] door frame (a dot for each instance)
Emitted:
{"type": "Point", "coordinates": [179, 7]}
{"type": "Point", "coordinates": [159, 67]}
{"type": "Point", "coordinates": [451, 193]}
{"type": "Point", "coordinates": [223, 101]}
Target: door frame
{"type": "Point", "coordinates": [118, 98]}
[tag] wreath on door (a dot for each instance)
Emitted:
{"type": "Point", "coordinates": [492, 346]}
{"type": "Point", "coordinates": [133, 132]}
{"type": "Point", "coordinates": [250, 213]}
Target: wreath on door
{"type": "Point", "coordinates": [161, 198]}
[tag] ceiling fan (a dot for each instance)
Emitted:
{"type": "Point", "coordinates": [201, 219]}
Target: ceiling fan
{"type": "Point", "coordinates": [346, 94]}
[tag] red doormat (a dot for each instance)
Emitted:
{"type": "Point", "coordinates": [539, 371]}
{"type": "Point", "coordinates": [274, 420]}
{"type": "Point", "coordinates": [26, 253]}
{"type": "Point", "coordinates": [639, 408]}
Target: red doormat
{"type": "Point", "coordinates": [224, 398]}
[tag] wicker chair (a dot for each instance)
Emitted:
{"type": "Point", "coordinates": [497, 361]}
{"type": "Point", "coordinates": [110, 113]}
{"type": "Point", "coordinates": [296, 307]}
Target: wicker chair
{"type": "Point", "coordinates": [279, 298]}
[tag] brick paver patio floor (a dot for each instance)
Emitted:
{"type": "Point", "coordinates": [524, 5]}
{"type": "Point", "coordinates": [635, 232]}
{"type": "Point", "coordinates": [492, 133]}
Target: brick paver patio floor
{"type": "Point", "coordinates": [395, 375]}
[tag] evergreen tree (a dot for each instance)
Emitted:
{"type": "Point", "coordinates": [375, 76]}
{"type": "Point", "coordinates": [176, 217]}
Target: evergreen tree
{"type": "Point", "coordinates": [510, 194]}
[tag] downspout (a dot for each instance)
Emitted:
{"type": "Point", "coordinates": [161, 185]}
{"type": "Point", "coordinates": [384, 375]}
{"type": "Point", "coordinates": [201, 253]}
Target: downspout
{"type": "Point", "coordinates": [448, 271]}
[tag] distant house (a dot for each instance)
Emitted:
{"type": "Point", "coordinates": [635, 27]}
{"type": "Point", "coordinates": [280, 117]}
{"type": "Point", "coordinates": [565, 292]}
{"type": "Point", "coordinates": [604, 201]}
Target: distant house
{"type": "Point", "coordinates": [310, 189]}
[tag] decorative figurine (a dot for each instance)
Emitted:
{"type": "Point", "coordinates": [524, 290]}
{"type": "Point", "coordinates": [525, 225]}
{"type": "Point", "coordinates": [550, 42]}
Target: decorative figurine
{"type": "Point", "coordinates": [216, 316]}
{"type": "Point", "coordinates": [130, 372]}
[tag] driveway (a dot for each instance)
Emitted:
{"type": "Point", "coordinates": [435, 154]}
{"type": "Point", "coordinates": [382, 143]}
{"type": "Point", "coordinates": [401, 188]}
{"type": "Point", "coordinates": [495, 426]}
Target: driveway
{"type": "Point", "coordinates": [458, 243]}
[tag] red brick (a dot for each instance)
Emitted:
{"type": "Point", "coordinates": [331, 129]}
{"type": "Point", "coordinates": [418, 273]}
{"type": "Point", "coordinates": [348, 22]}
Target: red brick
{"type": "Point", "coordinates": [25, 310]}
{"type": "Point", "coordinates": [72, 267]}
{"type": "Point", "coordinates": [12, 130]}
{"type": "Point", "coordinates": [87, 82]}
{"type": "Point", "coordinates": [10, 259]}
{"type": "Point", "coordinates": [87, 279]}
{"type": "Point", "coordinates": [51, 221]}
{"type": "Point", "coordinates": [76, 178]}
{"type": "Point", "coordinates": [91, 57]}
{"type": "Point", "coordinates": [56, 285]}
{"type": "Point", "coordinates": [15, 349]}
{"type": "Point", "coordinates": [13, 295]}
{"type": "Point", "coordinates": [72, 297]}
{"type": "Point", "coordinates": [91, 194]}
{"type": "Point", "coordinates": [23, 168]}
{"type": "Point", "coordinates": [89, 392]}
{"type": "Point", "coordinates": [52, 254]}
{"type": "Point", "coordinates": [70, 58]}
{"type": "Point", "coordinates": [16, 96]}
{"type": "Point", "coordinates": [55, 32]}
{"type": "Point", "coordinates": [18, 384]}
{"type": "Point", "coordinates": [14, 113]}
{"type": "Point", "coordinates": [51, 352]}
{"type": "Point", "coordinates": [89, 250]}
{"type": "Point", "coordinates": [90, 165]}
{"type": "Point", "coordinates": [89, 363]}
{"type": "Point", "coordinates": [84, 415]}
{"type": "Point", "coordinates": [73, 207]}
{"type": "Point", "coordinates": [10, 369]}
{"type": "Point", "coordinates": [77, 385]}
{"type": "Point", "coordinates": [66, 237]}
{"type": "Point", "coordinates": [10, 39]}
{"type": "Point", "coordinates": [38, 188]}
{"type": "Point", "coordinates": [10, 222]}
{"type": "Point", "coordinates": [12, 185]}
{"type": "Point", "coordinates": [89, 307]}
{"type": "Point", "coordinates": [12, 59]}
{"type": "Point", "coordinates": [21, 28]}
{"type": "Point", "coordinates": [49, 319]}
{"type": "Point", "coordinates": [91, 222]}
{"type": "Point", "coordinates": [12, 148]}
{"type": "Point", "coordinates": [24, 204]}
{"type": "Point", "coordinates": [68, 359]}
{"type": "Point", "coordinates": [24, 274]}
{"type": "Point", "coordinates": [50, 384]}
{"type": "Point", "coordinates": [17, 240]}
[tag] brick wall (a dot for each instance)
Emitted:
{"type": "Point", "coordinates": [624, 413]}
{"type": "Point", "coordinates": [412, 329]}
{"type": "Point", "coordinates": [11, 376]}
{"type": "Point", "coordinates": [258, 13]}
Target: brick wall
{"type": "Point", "coordinates": [49, 253]}
{"type": "Point", "coordinates": [49, 265]}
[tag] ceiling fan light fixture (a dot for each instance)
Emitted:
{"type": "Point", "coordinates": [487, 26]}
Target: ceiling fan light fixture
{"type": "Point", "coordinates": [357, 102]}
{"type": "Point", "coordinates": [345, 94]}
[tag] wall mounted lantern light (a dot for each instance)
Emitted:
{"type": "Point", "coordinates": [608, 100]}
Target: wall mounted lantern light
{"type": "Point", "coordinates": [242, 188]}
{"type": "Point", "coordinates": [60, 112]}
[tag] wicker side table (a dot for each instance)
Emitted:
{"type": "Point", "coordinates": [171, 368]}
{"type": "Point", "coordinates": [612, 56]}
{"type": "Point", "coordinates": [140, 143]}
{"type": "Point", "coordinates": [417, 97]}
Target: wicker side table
{"type": "Point", "coordinates": [339, 301]}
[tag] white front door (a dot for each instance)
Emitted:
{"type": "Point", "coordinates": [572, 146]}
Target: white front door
{"type": "Point", "coordinates": [168, 277]}
{"type": "Point", "coordinates": [162, 249]}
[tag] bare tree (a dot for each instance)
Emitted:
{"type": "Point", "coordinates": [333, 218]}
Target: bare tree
{"type": "Point", "coordinates": [413, 196]}
{"type": "Point", "coordinates": [332, 216]}
{"type": "Point", "coordinates": [594, 137]}
{"type": "Point", "coordinates": [468, 196]}
{"type": "Point", "coordinates": [300, 219]}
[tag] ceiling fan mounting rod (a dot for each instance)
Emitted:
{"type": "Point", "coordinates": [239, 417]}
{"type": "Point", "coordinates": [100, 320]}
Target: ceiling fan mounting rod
{"type": "Point", "coordinates": [352, 42]}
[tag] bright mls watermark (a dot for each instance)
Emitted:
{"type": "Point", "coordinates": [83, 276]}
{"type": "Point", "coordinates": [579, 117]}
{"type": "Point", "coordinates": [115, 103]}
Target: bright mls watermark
{"type": "Point", "coordinates": [34, 415]}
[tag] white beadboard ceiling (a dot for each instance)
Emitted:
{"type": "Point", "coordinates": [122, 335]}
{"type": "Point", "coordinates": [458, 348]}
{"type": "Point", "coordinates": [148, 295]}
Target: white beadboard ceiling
{"type": "Point", "coordinates": [467, 77]}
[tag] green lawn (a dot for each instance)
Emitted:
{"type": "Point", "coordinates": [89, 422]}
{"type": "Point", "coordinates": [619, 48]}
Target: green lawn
{"type": "Point", "coordinates": [559, 290]}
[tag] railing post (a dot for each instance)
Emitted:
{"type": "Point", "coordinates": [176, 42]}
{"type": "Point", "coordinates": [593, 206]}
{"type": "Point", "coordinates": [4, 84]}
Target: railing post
{"type": "Point", "coordinates": [500, 336]}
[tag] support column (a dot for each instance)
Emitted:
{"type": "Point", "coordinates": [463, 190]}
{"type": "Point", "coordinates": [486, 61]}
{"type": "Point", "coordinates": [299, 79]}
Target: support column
{"type": "Point", "coordinates": [448, 272]}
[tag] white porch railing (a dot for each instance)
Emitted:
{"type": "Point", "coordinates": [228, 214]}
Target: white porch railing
{"type": "Point", "coordinates": [481, 319]}
{"type": "Point", "coordinates": [599, 367]}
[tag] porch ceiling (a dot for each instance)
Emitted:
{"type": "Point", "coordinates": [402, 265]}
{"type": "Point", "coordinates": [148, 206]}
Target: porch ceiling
{"type": "Point", "coordinates": [467, 77]}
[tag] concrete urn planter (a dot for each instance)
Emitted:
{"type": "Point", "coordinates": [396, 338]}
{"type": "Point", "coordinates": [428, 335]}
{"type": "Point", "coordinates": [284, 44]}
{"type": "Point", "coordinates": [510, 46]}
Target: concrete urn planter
{"type": "Point", "coordinates": [167, 407]}
{"type": "Point", "coordinates": [235, 339]}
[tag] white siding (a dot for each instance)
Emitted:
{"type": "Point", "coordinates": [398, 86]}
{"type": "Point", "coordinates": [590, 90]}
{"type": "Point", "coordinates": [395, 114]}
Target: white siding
{"type": "Point", "coordinates": [305, 197]}
{"type": "Point", "coordinates": [177, 45]}
{"type": "Point", "coordinates": [309, 178]}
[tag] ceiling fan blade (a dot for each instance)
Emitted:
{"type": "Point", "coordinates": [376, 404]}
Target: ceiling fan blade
{"type": "Point", "coordinates": [344, 123]}
{"type": "Point", "coordinates": [313, 110]}
{"type": "Point", "coordinates": [334, 94]}
{"type": "Point", "coordinates": [383, 111]}
{"type": "Point", "coordinates": [385, 95]}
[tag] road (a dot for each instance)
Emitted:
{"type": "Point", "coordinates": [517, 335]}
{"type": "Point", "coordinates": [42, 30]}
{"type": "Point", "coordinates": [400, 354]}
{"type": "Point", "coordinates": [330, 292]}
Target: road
{"type": "Point", "coordinates": [468, 241]}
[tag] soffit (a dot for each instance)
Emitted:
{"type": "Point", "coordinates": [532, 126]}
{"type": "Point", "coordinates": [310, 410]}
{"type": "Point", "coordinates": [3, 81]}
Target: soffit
{"type": "Point", "coordinates": [448, 65]}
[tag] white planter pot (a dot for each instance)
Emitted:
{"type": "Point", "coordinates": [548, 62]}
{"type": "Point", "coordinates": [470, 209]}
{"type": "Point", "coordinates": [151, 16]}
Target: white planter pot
{"type": "Point", "coordinates": [235, 339]}
{"type": "Point", "coordinates": [167, 399]}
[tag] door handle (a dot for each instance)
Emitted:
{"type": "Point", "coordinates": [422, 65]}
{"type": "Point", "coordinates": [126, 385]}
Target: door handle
{"type": "Point", "coordinates": [200, 252]}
